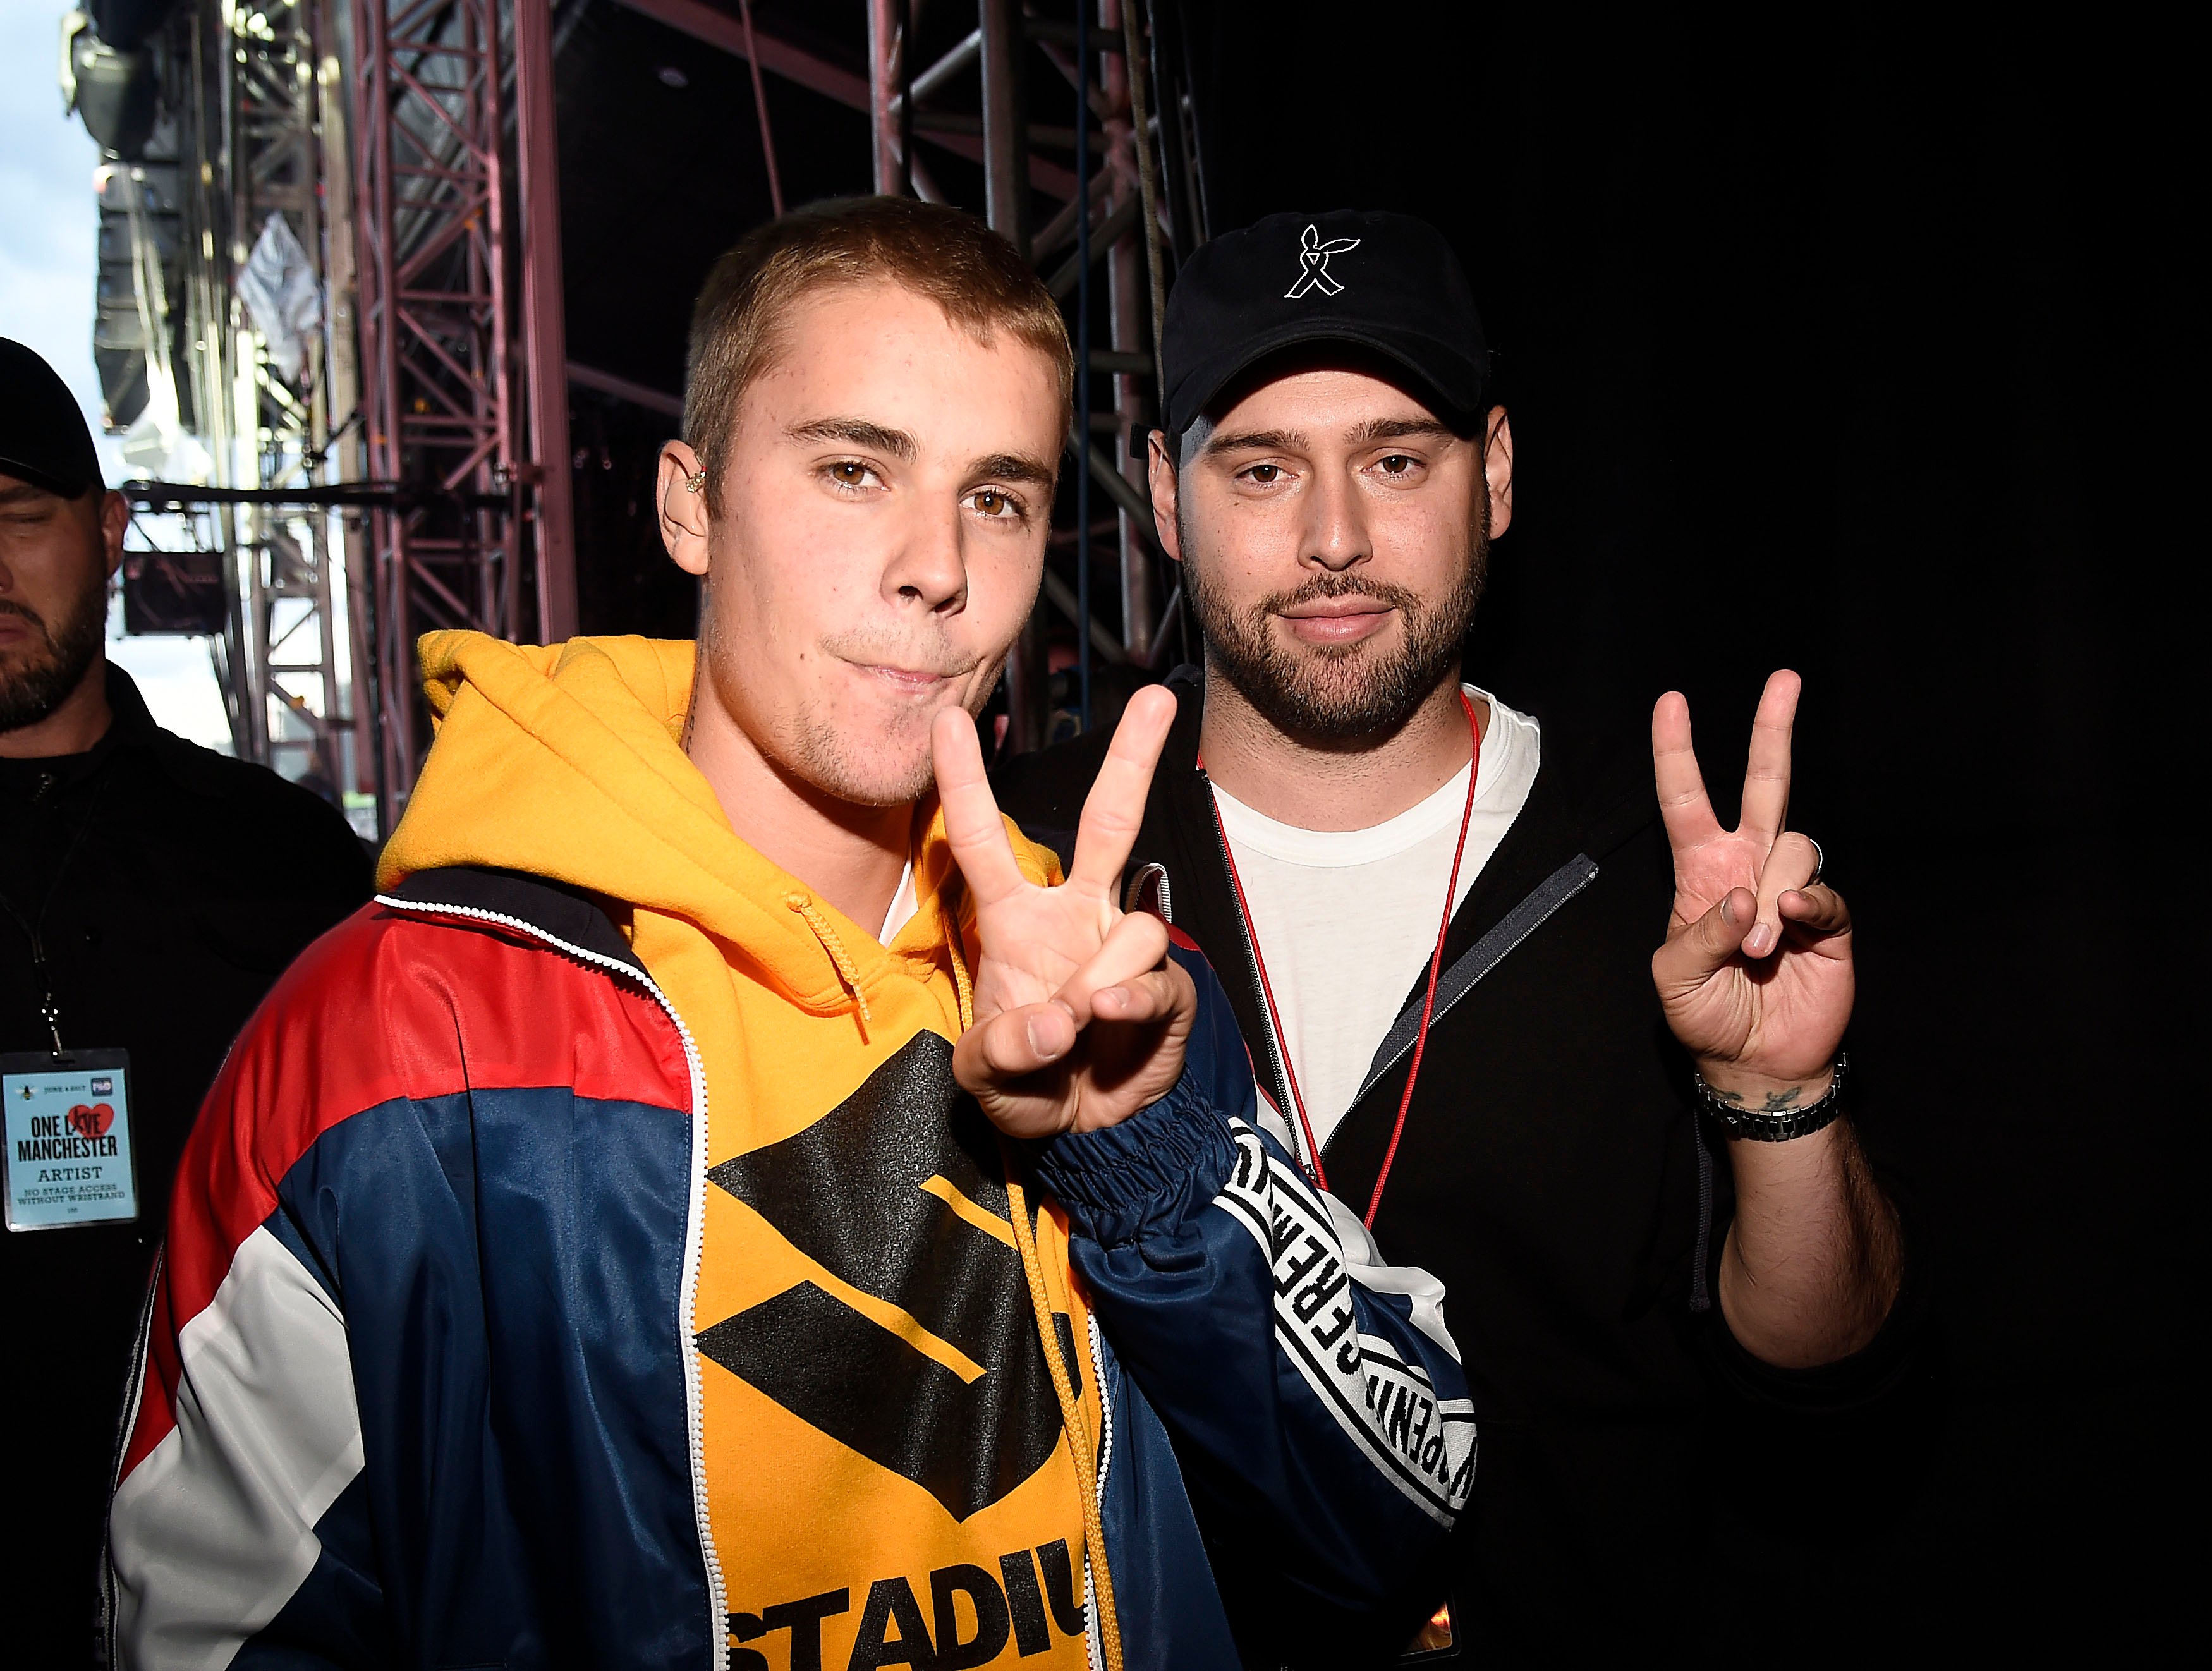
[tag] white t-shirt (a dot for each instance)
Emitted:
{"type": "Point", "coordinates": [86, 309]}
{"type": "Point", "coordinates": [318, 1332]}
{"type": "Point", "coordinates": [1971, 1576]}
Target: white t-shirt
{"type": "Point", "coordinates": [903, 908]}
{"type": "Point", "coordinates": [1348, 919]}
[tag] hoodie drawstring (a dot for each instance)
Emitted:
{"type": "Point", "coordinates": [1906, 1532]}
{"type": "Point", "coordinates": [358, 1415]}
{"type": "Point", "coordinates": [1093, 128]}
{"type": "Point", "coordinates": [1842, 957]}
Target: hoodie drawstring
{"type": "Point", "coordinates": [964, 989]}
{"type": "Point", "coordinates": [847, 970]}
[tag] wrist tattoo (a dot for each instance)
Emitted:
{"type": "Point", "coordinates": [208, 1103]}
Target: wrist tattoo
{"type": "Point", "coordinates": [1777, 1101]}
{"type": "Point", "coordinates": [1781, 1114]}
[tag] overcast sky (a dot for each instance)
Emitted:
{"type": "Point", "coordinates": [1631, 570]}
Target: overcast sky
{"type": "Point", "coordinates": [48, 227]}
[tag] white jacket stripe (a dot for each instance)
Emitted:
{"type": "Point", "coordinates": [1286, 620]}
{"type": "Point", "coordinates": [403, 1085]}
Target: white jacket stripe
{"type": "Point", "coordinates": [215, 1529]}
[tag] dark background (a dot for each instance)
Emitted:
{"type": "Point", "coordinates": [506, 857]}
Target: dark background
{"type": "Point", "coordinates": [1847, 345]}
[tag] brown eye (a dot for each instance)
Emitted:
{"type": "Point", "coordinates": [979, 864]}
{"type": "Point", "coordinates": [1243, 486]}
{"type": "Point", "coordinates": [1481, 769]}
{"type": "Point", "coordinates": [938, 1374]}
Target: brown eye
{"type": "Point", "coordinates": [993, 503]}
{"type": "Point", "coordinates": [1396, 465]}
{"type": "Point", "coordinates": [849, 472]}
{"type": "Point", "coordinates": [1265, 474]}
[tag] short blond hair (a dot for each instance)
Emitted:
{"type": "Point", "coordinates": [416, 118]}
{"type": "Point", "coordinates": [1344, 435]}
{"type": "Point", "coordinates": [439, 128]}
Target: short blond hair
{"type": "Point", "coordinates": [946, 254]}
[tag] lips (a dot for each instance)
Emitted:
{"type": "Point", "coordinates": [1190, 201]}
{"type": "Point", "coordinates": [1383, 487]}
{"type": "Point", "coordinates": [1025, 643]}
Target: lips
{"type": "Point", "coordinates": [1355, 603]}
{"type": "Point", "coordinates": [1336, 620]}
{"type": "Point", "coordinates": [916, 680]}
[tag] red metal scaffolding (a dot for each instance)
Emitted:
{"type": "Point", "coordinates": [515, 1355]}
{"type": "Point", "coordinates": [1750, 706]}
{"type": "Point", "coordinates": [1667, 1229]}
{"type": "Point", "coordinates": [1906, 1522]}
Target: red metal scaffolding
{"type": "Point", "coordinates": [462, 364]}
{"type": "Point", "coordinates": [462, 391]}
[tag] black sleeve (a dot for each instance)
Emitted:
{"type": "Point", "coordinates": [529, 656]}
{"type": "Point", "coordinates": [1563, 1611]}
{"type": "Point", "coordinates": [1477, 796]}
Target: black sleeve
{"type": "Point", "coordinates": [318, 866]}
{"type": "Point", "coordinates": [257, 868]}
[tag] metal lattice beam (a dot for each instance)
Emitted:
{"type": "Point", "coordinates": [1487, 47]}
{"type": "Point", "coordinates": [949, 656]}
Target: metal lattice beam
{"type": "Point", "coordinates": [287, 662]}
{"type": "Point", "coordinates": [462, 390]}
{"type": "Point", "coordinates": [1126, 224]}
{"type": "Point", "coordinates": [431, 315]}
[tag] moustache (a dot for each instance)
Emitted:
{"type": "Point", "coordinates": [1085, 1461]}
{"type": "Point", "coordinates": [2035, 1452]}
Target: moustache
{"type": "Point", "coordinates": [1344, 585]}
{"type": "Point", "coordinates": [30, 616]}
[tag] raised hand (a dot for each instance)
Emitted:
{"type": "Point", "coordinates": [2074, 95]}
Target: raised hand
{"type": "Point", "coordinates": [1755, 976]}
{"type": "Point", "coordinates": [1080, 1018]}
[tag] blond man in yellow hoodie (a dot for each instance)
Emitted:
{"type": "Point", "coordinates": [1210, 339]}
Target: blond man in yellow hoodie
{"type": "Point", "coordinates": [731, 1201]}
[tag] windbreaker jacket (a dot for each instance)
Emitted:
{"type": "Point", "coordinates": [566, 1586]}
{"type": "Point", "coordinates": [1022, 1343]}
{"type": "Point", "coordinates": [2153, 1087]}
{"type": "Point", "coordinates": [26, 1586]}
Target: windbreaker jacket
{"type": "Point", "coordinates": [418, 1385]}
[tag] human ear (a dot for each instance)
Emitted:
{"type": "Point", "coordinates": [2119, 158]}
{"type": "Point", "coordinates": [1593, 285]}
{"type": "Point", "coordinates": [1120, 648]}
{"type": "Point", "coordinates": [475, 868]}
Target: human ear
{"type": "Point", "coordinates": [1497, 469]}
{"type": "Point", "coordinates": [114, 522]}
{"type": "Point", "coordinates": [680, 493]}
{"type": "Point", "coordinates": [1160, 473]}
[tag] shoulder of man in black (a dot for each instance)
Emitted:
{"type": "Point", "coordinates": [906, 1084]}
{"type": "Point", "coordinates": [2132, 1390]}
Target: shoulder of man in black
{"type": "Point", "coordinates": [298, 846]}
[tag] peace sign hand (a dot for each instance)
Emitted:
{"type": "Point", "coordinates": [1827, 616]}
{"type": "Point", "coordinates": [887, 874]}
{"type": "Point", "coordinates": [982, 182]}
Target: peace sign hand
{"type": "Point", "coordinates": [1080, 1017]}
{"type": "Point", "coordinates": [1755, 976]}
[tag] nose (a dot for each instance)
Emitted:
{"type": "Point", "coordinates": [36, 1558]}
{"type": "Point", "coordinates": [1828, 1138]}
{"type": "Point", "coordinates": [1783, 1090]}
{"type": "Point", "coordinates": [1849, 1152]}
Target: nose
{"type": "Point", "coordinates": [929, 567]}
{"type": "Point", "coordinates": [1335, 534]}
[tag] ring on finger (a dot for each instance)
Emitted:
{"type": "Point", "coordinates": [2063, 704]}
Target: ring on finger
{"type": "Point", "coordinates": [1820, 863]}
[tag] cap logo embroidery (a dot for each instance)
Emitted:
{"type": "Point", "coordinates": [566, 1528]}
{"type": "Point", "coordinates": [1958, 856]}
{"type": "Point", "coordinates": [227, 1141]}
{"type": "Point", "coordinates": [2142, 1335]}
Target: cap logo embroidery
{"type": "Point", "coordinates": [1313, 264]}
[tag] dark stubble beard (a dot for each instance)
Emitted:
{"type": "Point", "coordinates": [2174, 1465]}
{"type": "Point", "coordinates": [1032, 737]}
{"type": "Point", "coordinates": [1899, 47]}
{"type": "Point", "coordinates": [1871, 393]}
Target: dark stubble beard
{"type": "Point", "coordinates": [39, 679]}
{"type": "Point", "coordinates": [1340, 694]}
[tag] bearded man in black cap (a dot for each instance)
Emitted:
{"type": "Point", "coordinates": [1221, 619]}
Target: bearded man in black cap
{"type": "Point", "coordinates": [151, 893]}
{"type": "Point", "coordinates": [1637, 1172]}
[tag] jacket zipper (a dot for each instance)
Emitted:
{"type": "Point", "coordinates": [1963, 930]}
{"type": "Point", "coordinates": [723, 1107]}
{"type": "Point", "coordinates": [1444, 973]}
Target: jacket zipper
{"type": "Point", "coordinates": [1094, 1648]}
{"type": "Point", "coordinates": [1590, 876]}
{"type": "Point", "coordinates": [134, 1396]}
{"type": "Point", "coordinates": [718, 1639]}
{"type": "Point", "coordinates": [1252, 974]}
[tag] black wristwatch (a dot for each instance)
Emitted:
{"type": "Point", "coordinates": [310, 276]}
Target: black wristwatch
{"type": "Point", "coordinates": [1775, 1124]}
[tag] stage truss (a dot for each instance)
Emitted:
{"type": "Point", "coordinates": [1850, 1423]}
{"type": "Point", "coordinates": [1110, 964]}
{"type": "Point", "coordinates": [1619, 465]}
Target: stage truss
{"type": "Point", "coordinates": [456, 306]}
{"type": "Point", "coordinates": [1142, 213]}
{"type": "Point", "coordinates": [409, 470]}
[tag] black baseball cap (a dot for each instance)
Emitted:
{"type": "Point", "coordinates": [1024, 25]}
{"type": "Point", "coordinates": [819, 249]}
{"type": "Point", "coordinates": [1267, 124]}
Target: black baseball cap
{"type": "Point", "coordinates": [1386, 282]}
{"type": "Point", "coordinates": [43, 437]}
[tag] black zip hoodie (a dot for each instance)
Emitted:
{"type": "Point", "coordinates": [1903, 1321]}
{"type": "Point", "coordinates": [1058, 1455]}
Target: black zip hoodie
{"type": "Point", "coordinates": [1554, 1175]}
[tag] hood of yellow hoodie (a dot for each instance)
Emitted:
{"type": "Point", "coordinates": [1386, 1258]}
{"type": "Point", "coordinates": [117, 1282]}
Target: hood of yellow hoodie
{"type": "Point", "coordinates": [566, 762]}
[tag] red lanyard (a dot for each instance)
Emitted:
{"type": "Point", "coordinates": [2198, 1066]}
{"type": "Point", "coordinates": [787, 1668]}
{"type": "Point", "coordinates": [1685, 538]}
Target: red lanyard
{"type": "Point", "coordinates": [1428, 1006]}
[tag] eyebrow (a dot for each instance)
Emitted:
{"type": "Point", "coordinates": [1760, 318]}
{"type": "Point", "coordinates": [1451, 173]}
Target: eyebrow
{"type": "Point", "coordinates": [1391, 429]}
{"type": "Point", "coordinates": [1375, 430]}
{"type": "Point", "coordinates": [1012, 467]}
{"type": "Point", "coordinates": [861, 433]}
{"type": "Point", "coordinates": [1243, 441]}
{"type": "Point", "coordinates": [22, 493]}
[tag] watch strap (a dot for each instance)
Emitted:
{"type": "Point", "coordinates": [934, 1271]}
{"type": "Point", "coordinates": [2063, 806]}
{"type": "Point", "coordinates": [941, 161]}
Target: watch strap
{"type": "Point", "coordinates": [1776, 1125]}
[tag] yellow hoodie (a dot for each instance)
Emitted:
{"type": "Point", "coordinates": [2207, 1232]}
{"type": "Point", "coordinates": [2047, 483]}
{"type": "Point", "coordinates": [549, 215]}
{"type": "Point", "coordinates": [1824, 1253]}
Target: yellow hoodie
{"type": "Point", "coordinates": [889, 1479]}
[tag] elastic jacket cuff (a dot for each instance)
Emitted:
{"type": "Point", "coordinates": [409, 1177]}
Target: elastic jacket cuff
{"type": "Point", "coordinates": [1147, 1175]}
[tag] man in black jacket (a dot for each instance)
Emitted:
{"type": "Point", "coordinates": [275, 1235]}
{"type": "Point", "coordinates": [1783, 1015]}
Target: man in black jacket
{"type": "Point", "coordinates": [150, 892]}
{"type": "Point", "coordinates": [1436, 917]}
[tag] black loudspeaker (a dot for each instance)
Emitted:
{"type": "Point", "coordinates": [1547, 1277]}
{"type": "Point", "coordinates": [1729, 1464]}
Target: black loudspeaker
{"type": "Point", "coordinates": [175, 592]}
